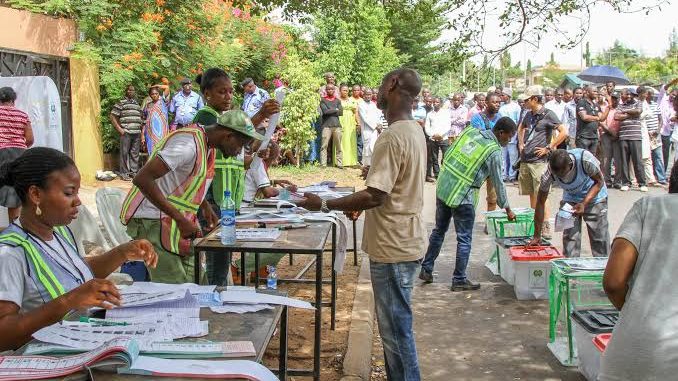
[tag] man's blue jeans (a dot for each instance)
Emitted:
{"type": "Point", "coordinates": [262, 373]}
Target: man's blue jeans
{"type": "Point", "coordinates": [314, 145]}
{"type": "Point", "coordinates": [658, 164]}
{"type": "Point", "coordinates": [392, 284]}
{"type": "Point", "coordinates": [464, 216]}
{"type": "Point", "coordinates": [509, 155]}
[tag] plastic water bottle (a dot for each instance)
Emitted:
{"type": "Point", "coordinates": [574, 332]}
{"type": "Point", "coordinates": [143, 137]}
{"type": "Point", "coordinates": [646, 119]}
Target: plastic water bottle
{"type": "Point", "coordinates": [272, 279]}
{"type": "Point", "coordinates": [227, 219]}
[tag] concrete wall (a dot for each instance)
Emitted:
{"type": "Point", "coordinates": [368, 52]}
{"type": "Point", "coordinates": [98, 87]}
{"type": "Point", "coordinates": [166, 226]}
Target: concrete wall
{"type": "Point", "coordinates": [86, 106]}
{"type": "Point", "coordinates": [31, 32]}
{"type": "Point", "coordinates": [40, 34]}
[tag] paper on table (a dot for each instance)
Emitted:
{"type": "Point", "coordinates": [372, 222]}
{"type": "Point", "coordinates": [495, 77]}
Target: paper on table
{"type": "Point", "coordinates": [153, 287]}
{"type": "Point", "coordinates": [137, 300]}
{"type": "Point", "coordinates": [198, 349]}
{"type": "Point", "coordinates": [248, 370]}
{"type": "Point", "coordinates": [120, 351]}
{"type": "Point", "coordinates": [208, 299]}
{"type": "Point", "coordinates": [238, 308]}
{"type": "Point", "coordinates": [90, 337]}
{"type": "Point", "coordinates": [261, 298]}
{"type": "Point", "coordinates": [342, 237]}
{"type": "Point", "coordinates": [186, 307]}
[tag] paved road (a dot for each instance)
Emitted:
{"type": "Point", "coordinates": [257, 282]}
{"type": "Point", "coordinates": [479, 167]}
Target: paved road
{"type": "Point", "coordinates": [488, 334]}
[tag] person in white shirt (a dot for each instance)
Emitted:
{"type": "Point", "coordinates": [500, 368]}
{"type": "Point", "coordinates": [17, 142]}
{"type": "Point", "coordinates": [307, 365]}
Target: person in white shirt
{"type": "Point", "coordinates": [557, 105]}
{"type": "Point", "coordinates": [437, 127]}
{"type": "Point", "coordinates": [369, 118]}
{"type": "Point", "coordinates": [509, 153]}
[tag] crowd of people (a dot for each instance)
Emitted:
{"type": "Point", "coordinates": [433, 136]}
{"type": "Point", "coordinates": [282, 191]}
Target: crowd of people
{"type": "Point", "coordinates": [201, 148]}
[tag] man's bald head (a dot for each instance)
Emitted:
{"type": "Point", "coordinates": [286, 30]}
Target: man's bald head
{"type": "Point", "coordinates": [408, 81]}
{"type": "Point", "coordinates": [398, 88]}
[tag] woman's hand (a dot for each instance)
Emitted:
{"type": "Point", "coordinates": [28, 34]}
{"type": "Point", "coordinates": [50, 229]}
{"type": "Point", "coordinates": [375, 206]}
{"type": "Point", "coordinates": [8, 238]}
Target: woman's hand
{"type": "Point", "coordinates": [140, 250]}
{"type": "Point", "coordinates": [95, 293]}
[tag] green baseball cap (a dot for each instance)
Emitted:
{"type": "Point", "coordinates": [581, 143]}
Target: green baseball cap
{"type": "Point", "coordinates": [239, 121]}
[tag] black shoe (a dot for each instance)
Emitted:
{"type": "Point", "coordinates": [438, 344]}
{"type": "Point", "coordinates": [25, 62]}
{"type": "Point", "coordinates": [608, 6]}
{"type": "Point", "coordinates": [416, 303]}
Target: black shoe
{"type": "Point", "coordinates": [466, 285]}
{"type": "Point", "coordinates": [426, 276]}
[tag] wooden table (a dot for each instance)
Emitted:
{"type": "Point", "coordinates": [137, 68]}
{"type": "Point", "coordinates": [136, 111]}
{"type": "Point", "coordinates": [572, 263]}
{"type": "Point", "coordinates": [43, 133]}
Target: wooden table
{"type": "Point", "coordinates": [309, 241]}
{"type": "Point", "coordinates": [257, 327]}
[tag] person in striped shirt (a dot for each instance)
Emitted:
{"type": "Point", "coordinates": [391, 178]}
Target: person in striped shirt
{"type": "Point", "coordinates": [16, 135]}
{"type": "Point", "coordinates": [652, 121]}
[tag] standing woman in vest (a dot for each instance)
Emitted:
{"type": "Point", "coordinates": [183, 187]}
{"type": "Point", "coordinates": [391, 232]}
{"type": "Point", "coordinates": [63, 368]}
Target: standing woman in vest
{"type": "Point", "coordinates": [229, 172]}
{"type": "Point", "coordinates": [42, 274]}
{"type": "Point", "coordinates": [578, 172]}
{"type": "Point", "coordinates": [16, 135]}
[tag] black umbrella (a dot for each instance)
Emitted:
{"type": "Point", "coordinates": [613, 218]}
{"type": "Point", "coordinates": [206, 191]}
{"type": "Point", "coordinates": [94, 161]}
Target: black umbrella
{"type": "Point", "coordinates": [604, 74]}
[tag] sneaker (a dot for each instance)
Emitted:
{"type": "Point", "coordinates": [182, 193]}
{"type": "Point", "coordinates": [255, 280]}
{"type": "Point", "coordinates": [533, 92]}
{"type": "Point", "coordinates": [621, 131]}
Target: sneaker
{"type": "Point", "coordinates": [546, 231]}
{"type": "Point", "coordinates": [643, 188]}
{"type": "Point", "coordinates": [426, 276]}
{"type": "Point", "coordinates": [466, 285]}
{"type": "Point", "coordinates": [430, 179]}
{"type": "Point", "coordinates": [624, 188]}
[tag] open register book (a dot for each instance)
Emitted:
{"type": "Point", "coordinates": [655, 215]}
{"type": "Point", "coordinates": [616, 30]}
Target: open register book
{"type": "Point", "coordinates": [122, 354]}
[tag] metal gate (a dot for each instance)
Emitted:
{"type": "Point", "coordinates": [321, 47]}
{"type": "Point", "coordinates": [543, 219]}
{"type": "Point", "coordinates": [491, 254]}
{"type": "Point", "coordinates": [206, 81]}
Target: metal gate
{"type": "Point", "coordinates": [22, 64]}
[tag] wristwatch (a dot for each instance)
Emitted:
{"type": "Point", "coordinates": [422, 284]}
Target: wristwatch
{"type": "Point", "coordinates": [323, 207]}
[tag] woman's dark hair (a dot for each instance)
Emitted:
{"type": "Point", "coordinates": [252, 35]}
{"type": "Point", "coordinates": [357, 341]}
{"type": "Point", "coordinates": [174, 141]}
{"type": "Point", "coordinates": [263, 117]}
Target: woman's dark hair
{"type": "Point", "coordinates": [673, 181]}
{"type": "Point", "coordinates": [156, 88]}
{"type": "Point", "coordinates": [33, 167]}
{"type": "Point", "coordinates": [209, 78]}
{"type": "Point", "coordinates": [7, 94]}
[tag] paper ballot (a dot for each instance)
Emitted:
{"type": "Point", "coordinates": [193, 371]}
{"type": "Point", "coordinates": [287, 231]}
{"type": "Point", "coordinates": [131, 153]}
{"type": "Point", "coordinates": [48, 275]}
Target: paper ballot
{"type": "Point", "coordinates": [565, 218]}
{"type": "Point", "coordinates": [261, 298]}
{"type": "Point", "coordinates": [272, 124]}
{"type": "Point", "coordinates": [187, 307]}
{"type": "Point", "coordinates": [153, 287]}
{"type": "Point", "coordinates": [151, 366]}
{"type": "Point", "coordinates": [238, 308]}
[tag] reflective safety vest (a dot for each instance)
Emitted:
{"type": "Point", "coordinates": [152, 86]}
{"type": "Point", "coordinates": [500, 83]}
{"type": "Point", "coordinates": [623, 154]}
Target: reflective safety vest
{"type": "Point", "coordinates": [50, 277]}
{"type": "Point", "coordinates": [461, 164]}
{"type": "Point", "coordinates": [229, 172]}
{"type": "Point", "coordinates": [186, 198]}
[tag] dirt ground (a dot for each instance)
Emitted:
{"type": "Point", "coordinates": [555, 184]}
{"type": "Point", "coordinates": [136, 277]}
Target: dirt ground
{"type": "Point", "coordinates": [301, 322]}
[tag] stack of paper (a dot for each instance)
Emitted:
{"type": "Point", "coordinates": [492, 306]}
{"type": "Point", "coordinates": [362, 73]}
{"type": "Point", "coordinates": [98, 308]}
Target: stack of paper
{"type": "Point", "coordinates": [240, 369]}
{"type": "Point", "coordinates": [123, 353]}
{"type": "Point", "coordinates": [183, 349]}
{"type": "Point", "coordinates": [116, 352]}
{"type": "Point", "coordinates": [244, 297]}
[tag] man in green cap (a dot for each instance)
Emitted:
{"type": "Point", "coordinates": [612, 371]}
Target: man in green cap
{"type": "Point", "coordinates": [169, 190]}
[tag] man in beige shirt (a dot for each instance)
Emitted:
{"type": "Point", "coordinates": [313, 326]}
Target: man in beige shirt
{"type": "Point", "coordinates": [394, 235]}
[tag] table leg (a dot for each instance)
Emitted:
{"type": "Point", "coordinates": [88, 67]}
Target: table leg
{"type": "Point", "coordinates": [282, 361]}
{"type": "Point", "coordinates": [196, 265]}
{"type": "Point", "coordinates": [256, 270]}
{"type": "Point", "coordinates": [333, 301]}
{"type": "Point", "coordinates": [318, 314]}
{"type": "Point", "coordinates": [229, 260]}
{"type": "Point", "coordinates": [291, 259]}
{"type": "Point", "coordinates": [355, 244]}
{"type": "Point", "coordinates": [243, 281]}
{"type": "Point", "coordinates": [568, 323]}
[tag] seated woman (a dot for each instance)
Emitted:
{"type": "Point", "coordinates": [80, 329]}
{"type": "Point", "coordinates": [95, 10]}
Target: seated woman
{"type": "Point", "coordinates": [42, 274]}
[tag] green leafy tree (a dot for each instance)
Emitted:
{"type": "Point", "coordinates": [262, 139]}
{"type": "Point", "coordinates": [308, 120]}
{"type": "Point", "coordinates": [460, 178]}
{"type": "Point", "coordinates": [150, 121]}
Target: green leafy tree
{"type": "Point", "coordinates": [355, 45]}
{"type": "Point", "coordinates": [415, 27]}
{"type": "Point", "coordinates": [587, 55]}
{"type": "Point", "coordinates": [141, 41]}
{"type": "Point", "coordinates": [300, 107]}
